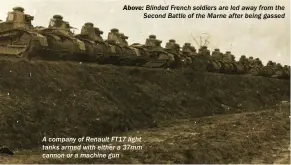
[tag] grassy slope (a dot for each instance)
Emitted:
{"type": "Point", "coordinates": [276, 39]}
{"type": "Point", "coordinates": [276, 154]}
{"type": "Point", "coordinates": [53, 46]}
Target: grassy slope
{"type": "Point", "coordinates": [69, 99]}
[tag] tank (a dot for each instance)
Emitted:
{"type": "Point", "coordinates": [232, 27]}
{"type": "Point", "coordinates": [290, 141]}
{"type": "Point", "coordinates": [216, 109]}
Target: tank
{"type": "Point", "coordinates": [18, 37]}
{"type": "Point", "coordinates": [61, 41]}
{"type": "Point", "coordinates": [97, 50]}
{"type": "Point", "coordinates": [159, 58]}
{"type": "Point", "coordinates": [181, 60]}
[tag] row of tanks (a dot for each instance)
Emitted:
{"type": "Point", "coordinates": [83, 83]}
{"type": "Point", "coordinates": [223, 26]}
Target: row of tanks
{"type": "Point", "coordinates": [19, 38]}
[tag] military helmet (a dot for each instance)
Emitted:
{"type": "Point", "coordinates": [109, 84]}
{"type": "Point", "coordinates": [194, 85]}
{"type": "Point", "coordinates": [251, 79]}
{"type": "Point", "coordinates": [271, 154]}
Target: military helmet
{"type": "Point", "coordinates": [203, 47]}
{"type": "Point", "coordinates": [257, 59]}
{"type": "Point", "coordinates": [187, 44]}
{"type": "Point", "coordinates": [251, 57]}
{"type": "Point", "coordinates": [20, 9]}
{"type": "Point", "coordinates": [89, 24]}
{"type": "Point", "coordinates": [114, 30]}
{"type": "Point", "coordinates": [152, 36]}
{"type": "Point", "coordinates": [227, 52]}
{"type": "Point", "coordinates": [216, 49]}
{"type": "Point", "coordinates": [172, 40]}
{"type": "Point", "coordinates": [243, 56]}
{"type": "Point", "coordinates": [58, 17]}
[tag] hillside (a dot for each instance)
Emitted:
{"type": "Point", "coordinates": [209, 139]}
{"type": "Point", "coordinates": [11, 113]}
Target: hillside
{"type": "Point", "coordinates": [65, 99]}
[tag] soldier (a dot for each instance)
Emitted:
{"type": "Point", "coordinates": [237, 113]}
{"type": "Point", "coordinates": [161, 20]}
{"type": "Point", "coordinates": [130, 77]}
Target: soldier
{"type": "Point", "coordinates": [217, 55]}
{"type": "Point", "coordinates": [227, 57]}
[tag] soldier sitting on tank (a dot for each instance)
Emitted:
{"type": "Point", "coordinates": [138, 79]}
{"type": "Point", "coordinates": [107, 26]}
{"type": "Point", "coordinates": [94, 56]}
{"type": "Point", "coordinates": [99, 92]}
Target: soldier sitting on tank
{"type": "Point", "coordinates": [217, 55]}
{"type": "Point", "coordinates": [114, 35]}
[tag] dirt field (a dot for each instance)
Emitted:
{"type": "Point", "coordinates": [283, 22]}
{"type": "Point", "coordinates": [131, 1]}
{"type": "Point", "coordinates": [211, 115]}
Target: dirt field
{"type": "Point", "coordinates": [168, 109]}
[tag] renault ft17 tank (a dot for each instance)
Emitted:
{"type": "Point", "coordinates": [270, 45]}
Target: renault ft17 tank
{"type": "Point", "coordinates": [173, 48]}
{"type": "Point", "coordinates": [61, 41]}
{"type": "Point", "coordinates": [159, 58]}
{"type": "Point", "coordinates": [17, 36]}
{"type": "Point", "coordinates": [189, 51]}
{"type": "Point", "coordinates": [225, 63]}
{"type": "Point", "coordinates": [97, 49]}
{"type": "Point", "coordinates": [132, 55]}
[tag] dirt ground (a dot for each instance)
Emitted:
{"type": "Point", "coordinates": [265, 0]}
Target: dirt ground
{"type": "Point", "coordinates": [250, 137]}
{"type": "Point", "coordinates": [169, 109]}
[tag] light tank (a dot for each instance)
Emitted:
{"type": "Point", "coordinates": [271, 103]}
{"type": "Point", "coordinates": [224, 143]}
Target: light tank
{"type": "Point", "coordinates": [159, 58]}
{"type": "Point", "coordinates": [18, 37]}
{"type": "Point", "coordinates": [61, 41]}
{"type": "Point", "coordinates": [181, 61]}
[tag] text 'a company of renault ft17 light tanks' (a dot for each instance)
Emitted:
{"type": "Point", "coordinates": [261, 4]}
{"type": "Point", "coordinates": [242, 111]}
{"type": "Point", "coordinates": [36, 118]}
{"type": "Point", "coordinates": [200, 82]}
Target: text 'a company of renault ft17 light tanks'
{"type": "Point", "coordinates": [20, 39]}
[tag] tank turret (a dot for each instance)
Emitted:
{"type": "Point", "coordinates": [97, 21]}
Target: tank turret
{"type": "Point", "coordinates": [17, 19]}
{"type": "Point", "coordinates": [114, 36]}
{"type": "Point", "coordinates": [90, 32]}
{"type": "Point", "coordinates": [152, 36]}
{"type": "Point", "coordinates": [217, 55]}
{"type": "Point", "coordinates": [18, 9]}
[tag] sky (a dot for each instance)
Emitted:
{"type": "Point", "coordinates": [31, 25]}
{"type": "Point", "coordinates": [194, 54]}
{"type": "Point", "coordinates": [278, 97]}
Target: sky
{"type": "Point", "coordinates": [265, 39]}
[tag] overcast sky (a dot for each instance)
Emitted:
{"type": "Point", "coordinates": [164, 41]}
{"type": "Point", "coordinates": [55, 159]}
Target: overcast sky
{"type": "Point", "coordinates": [266, 39]}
